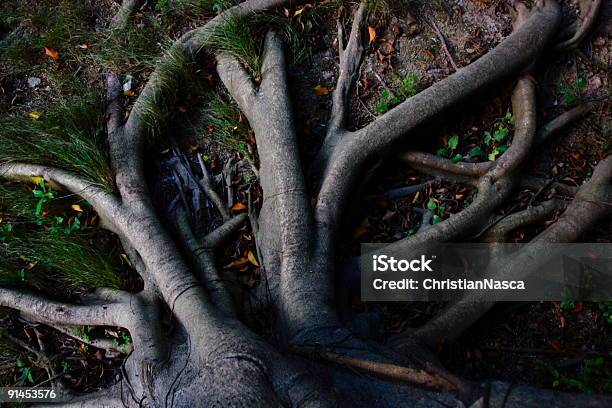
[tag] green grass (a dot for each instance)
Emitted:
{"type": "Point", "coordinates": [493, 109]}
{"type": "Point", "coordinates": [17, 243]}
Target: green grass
{"type": "Point", "coordinates": [378, 8]}
{"type": "Point", "coordinates": [221, 124]}
{"type": "Point", "coordinates": [178, 80]}
{"type": "Point", "coordinates": [68, 136]}
{"type": "Point", "coordinates": [190, 8]}
{"type": "Point", "coordinates": [46, 23]}
{"type": "Point", "coordinates": [243, 39]}
{"type": "Point", "coordinates": [67, 26]}
{"type": "Point", "coordinates": [38, 250]}
{"type": "Point", "coordinates": [236, 38]}
{"type": "Point", "coordinates": [133, 49]}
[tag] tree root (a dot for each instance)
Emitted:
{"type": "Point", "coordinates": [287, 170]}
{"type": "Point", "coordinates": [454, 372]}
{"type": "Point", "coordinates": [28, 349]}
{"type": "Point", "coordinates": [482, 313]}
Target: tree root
{"type": "Point", "coordinates": [588, 15]}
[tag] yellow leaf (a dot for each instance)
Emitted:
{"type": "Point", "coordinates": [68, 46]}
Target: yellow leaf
{"type": "Point", "coordinates": [37, 180]}
{"type": "Point", "coordinates": [83, 46]}
{"type": "Point", "coordinates": [238, 207]}
{"type": "Point", "coordinates": [127, 260]}
{"type": "Point", "coordinates": [321, 90]}
{"type": "Point", "coordinates": [238, 263]}
{"type": "Point", "coordinates": [252, 258]}
{"type": "Point", "coordinates": [35, 114]}
{"type": "Point", "coordinates": [77, 208]}
{"type": "Point", "coordinates": [52, 53]}
{"type": "Point", "coordinates": [129, 92]}
{"type": "Point", "coordinates": [298, 12]}
{"type": "Point", "coordinates": [372, 32]}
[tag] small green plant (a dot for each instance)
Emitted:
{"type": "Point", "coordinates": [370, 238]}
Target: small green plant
{"type": "Point", "coordinates": [6, 230]}
{"type": "Point", "coordinates": [595, 375]}
{"type": "Point", "coordinates": [569, 91]}
{"type": "Point", "coordinates": [499, 135]}
{"type": "Point", "coordinates": [437, 210]}
{"type": "Point", "coordinates": [409, 85]}
{"type": "Point", "coordinates": [606, 311]}
{"type": "Point", "coordinates": [122, 343]}
{"type": "Point", "coordinates": [25, 367]}
{"type": "Point", "coordinates": [567, 304]}
{"type": "Point", "coordinates": [42, 191]}
{"type": "Point", "coordinates": [449, 151]}
{"type": "Point", "coordinates": [82, 332]}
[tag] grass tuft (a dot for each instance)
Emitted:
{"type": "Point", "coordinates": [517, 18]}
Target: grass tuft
{"type": "Point", "coordinates": [243, 39]}
{"type": "Point", "coordinates": [37, 249]}
{"type": "Point", "coordinates": [177, 74]}
{"type": "Point", "coordinates": [222, 124]}
{"type": "Point", "coordinates": [68, 136]}
{"type": "Point", "coordinates": [190, 8]}
{"type": "Point", "coordinates": [378, 8]}
{"type": "Point", "coordinates": [235, 37]}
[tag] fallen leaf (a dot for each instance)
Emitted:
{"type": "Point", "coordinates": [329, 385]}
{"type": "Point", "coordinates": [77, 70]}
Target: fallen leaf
{"type": "Point", "coordinates": [554, 344]}
{"type": "Point", "coordinates": [372, 32]}
{"type": "Point", "coordinates": [35, 114]}
{"type": "Point", "coordinates": [76, 207]}
{"type": "Point", "coordinates": [37, 180]}
{"type": "Point", "coordinates": [129, 92]}
{"type": "Point", "coordinates": [127, 260]}
{"type": "Point", "coordinates": [321, 90]}
{"type": "Point", "coordinates": [252, 258]}
{"type": "Point", "coordinates": [52, 53]}
{"type": "Point", "coordinates": [298, 12]}
{"type": "Point", "coordinates": [83, 46]}
{"type": "Point", "coordinates": [238, 263]}
{"type": "Point", "coordinates": [238, 207]}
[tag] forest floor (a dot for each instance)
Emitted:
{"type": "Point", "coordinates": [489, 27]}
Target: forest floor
{"type": "Point", "coordinates": [53, 53]}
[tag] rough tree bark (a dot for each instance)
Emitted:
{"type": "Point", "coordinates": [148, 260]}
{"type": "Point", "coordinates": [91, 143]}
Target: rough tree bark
{"type": "Point", "coordinates": [211, 358]}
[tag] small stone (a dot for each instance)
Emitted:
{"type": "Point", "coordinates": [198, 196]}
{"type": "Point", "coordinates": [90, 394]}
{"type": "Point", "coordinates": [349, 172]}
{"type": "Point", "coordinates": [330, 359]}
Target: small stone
{"type": "Point", "coordinates": [33, 82]}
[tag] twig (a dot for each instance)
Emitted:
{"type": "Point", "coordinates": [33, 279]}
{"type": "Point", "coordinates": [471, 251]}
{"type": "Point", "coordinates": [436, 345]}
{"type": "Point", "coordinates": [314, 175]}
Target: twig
{"type": "Point", "coordinates": [433, 25]}
{"type": "Point", "coordinates": [386, 370]}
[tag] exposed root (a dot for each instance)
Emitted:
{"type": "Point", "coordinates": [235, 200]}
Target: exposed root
{"type": "Point", "coordinates": [528, 216]}
{"type": "Point", "coordinates": [350, 57]}
{"type": "Point", "coordinates": [202, 255]}
{"type": "Point", "coordinates": [592, 204]}
{"type": "Point", "coordinates": [587, 17]}
{"type": "Point", "coordinates": [388, 371]}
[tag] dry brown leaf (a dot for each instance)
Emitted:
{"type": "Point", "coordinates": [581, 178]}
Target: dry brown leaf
{"type": "Point", "coordinates": [52, 53]}
{"type": "Point", "coordinates": [238, 263]}
{"type": "Point", "coordinates": [252, 258]}
{"type": "Point", "coordinates": [238, 207]}
{"type": "Point", "coordinates": [321, 90]}
{"type": "Point", "coordinates": [372, 32]}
